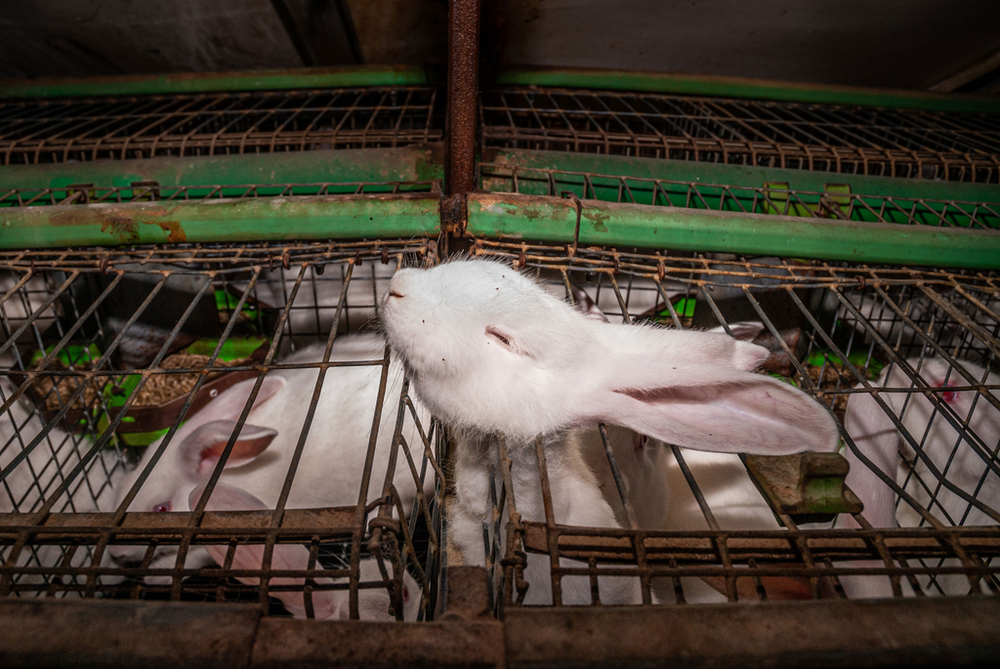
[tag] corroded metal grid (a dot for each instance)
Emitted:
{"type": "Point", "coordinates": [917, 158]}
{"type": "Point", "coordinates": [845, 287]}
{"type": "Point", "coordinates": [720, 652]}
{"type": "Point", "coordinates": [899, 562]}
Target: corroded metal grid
{"type": "Point", "coordinates": [144, 191]}
{"type": "Point", "coordinates": [72, 330]}
{"type": "Point", "coordinates": [837, 202]}
{"type": "Point", "coordinates": [41, 131]}
{"type": "Point", "coordinates": [851, 140]}
{"type": "Point", "coordinates": [832, 330]}
{"type": "Point", "coordinates": [829, 326]}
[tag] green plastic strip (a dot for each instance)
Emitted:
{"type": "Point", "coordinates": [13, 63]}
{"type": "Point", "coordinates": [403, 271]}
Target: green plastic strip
{"type": "Point", "coordinates": [550, 219]}
{"type": "Point", "coordinates": [200, 82]}
{"type": "Point", "coordinates": [223, 220]}
{"type": "Point", "coordinates": [739, 175]}
{"type": "Point", "coordinates": [734, 87]}
{"type": "Point", "coordinates": [411, 163]}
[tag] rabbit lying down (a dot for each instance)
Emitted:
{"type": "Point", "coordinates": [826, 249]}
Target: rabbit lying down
{"type": "Point", "coordinates": [373, 603]}
{"type": "Point", "coordinates": [490, 351]}
{"type": "Point", "coordinates": [958, 457]}
{"type": "Point", "coordinates": [333, 458]}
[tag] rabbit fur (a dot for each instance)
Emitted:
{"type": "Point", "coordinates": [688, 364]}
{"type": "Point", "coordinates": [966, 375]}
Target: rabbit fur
{"type": "Point", "coordinates": [952, 454]}
{"type": "Point", "coordinates": [489, 351]}
{"type": "Point", "coordinates": [329, 472]}
{"type": "Point", "coordinates": [373, 603]}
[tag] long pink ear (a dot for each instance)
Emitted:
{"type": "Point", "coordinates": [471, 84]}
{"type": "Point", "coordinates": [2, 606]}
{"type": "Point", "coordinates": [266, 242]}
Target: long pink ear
{"type": "Point", "coordinates": [740, 412]}
{"type": "Point", "coordinates": [201, 449]}
{"type": "Point", "coordinates": [229, 405]}
{"type": "Point", "coordinates": [694, 389]}
{"type": "Point", "coordinates": [326, 603]}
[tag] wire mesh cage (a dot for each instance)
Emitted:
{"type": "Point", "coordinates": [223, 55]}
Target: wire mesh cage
{"type": "Point", "coordinates": [830, 138]}
{"type": "Point", "coordinates": [905, 359]}
{"type": "Point", "coordinates": [836, 201]}
{"type": "Point", "coordinates": [208, 124]}
{"type": "Point", "coordinates": [283, 459]}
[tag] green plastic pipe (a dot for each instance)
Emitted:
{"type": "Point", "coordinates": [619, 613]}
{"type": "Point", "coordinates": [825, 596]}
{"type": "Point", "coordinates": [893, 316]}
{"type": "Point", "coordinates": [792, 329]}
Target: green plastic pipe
{"type": "Point", "coordinates": [740, 175]}
{"type": "Point", "coordinates": [411, 163]}
{"type": "Point", "coordinates": [550, 219]}
{"type": "Point", "coordinates": [203, 82]}
{"type": "Point", "coordinates": [223, 220]}
{"type": "Point", "coordinates": [735, 87]}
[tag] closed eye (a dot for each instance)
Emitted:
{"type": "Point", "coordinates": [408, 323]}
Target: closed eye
{"type": "Point", "coordinates": [504, 340]}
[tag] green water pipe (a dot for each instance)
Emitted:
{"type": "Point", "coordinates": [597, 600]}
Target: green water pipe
{"type": "Point", "coordinates": [551, 219]}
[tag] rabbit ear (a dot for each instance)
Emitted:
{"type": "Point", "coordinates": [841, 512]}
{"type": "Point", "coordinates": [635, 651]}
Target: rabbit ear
{"type": "Point", "coordinates": [326, 603]}
{"type": "Point", "coordinates": [229, 405]}
{"type": "Point", "coordinates": [201, 449]}
{"type": "Point", "coordinates": [740, 412]}
{"type": "Point", "coordinates": [694, 389]}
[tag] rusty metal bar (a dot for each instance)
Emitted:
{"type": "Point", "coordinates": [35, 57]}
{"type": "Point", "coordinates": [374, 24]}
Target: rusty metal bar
{"type": "Point", "coordinates": [963, 632]}
{"type": "Point", "coordinates": [463, 87]}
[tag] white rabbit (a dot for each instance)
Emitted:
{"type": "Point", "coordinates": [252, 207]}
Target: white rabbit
{"type": "Point", "coordinates": [490, 351]}
{"type": "Point", "coordinates": [330, 470]}
{"type": "Point", "coordinates": [36, 477]}
{"type": "Point", "coordinates": [662, 497]}
{"type": "Point", "coordinates": [951, 453]}
{"type": "Point", "coordinates": [373, 603]}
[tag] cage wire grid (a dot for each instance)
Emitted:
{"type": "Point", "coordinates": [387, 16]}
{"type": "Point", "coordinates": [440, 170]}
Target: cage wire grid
{"type": "Point", "coordinates": [831, 138]}
{"type": "Point", "coordinates": [119, 128]}
{"type": "Point", "coordinates": [832, 329]}
{"type": "Point", "coordinates": [773, 199]}
{"type": "Point", "coordinates": [830, 326]}
{"type": "Point", "coordinates": [146, 192]}
{"type": "Point", "coordinates": [61, 519]}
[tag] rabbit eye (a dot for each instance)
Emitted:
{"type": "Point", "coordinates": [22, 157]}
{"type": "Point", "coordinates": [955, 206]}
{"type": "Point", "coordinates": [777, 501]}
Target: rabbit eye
{"type": "Point", "coordinates": [161, 508]}
{"type": "Point", "coordinates": [501, 338]}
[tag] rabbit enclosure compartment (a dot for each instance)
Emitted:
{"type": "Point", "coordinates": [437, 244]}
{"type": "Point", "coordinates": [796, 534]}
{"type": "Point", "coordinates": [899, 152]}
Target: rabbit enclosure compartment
{"type": "Point", "coordinates": [210, 453]}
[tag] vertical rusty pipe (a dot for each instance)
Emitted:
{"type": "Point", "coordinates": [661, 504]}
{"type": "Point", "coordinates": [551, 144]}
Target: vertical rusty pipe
{"type": "Point", "coordinates": [463, 86]}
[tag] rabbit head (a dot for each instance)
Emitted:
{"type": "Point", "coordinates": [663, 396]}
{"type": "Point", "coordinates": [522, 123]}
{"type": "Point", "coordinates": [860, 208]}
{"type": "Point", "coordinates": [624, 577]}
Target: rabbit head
{"type": "Point", "coordinates": [197, 446]}
{"type": "Point", "coordinates": [489, 349]}
{"type": "Point", "coordinates": [373, 603]}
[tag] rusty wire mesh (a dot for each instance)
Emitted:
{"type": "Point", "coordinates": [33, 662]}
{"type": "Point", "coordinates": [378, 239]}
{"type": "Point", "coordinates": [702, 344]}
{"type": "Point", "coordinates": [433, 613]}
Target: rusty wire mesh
{"type": "Point", "coordinates": [774, 199]}
{"type": "Point", "coordinates": [54, 131]}
{"type": "Point", "coordinates": [919, 341]}
{"type": "Point", "coordinates": [86, 385]}
{"type": "Point", "coordinates": [829, 326]}
{"type": "Point", "coordinates": [145, 191]}
{"type": "Point", "coordinates": [832, 138]}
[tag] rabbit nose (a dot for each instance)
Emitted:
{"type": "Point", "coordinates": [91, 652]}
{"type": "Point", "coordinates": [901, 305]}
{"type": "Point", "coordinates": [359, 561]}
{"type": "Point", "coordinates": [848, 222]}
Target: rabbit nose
{"type": "Point", "coordinates": [125, 555]}
{"type": "Point", "coordinates": [397, 287]}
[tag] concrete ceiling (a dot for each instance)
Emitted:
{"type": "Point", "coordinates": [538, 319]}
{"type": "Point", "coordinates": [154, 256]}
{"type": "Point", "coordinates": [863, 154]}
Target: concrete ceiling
{"type": "Point", "coordinates": [888, 43]}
